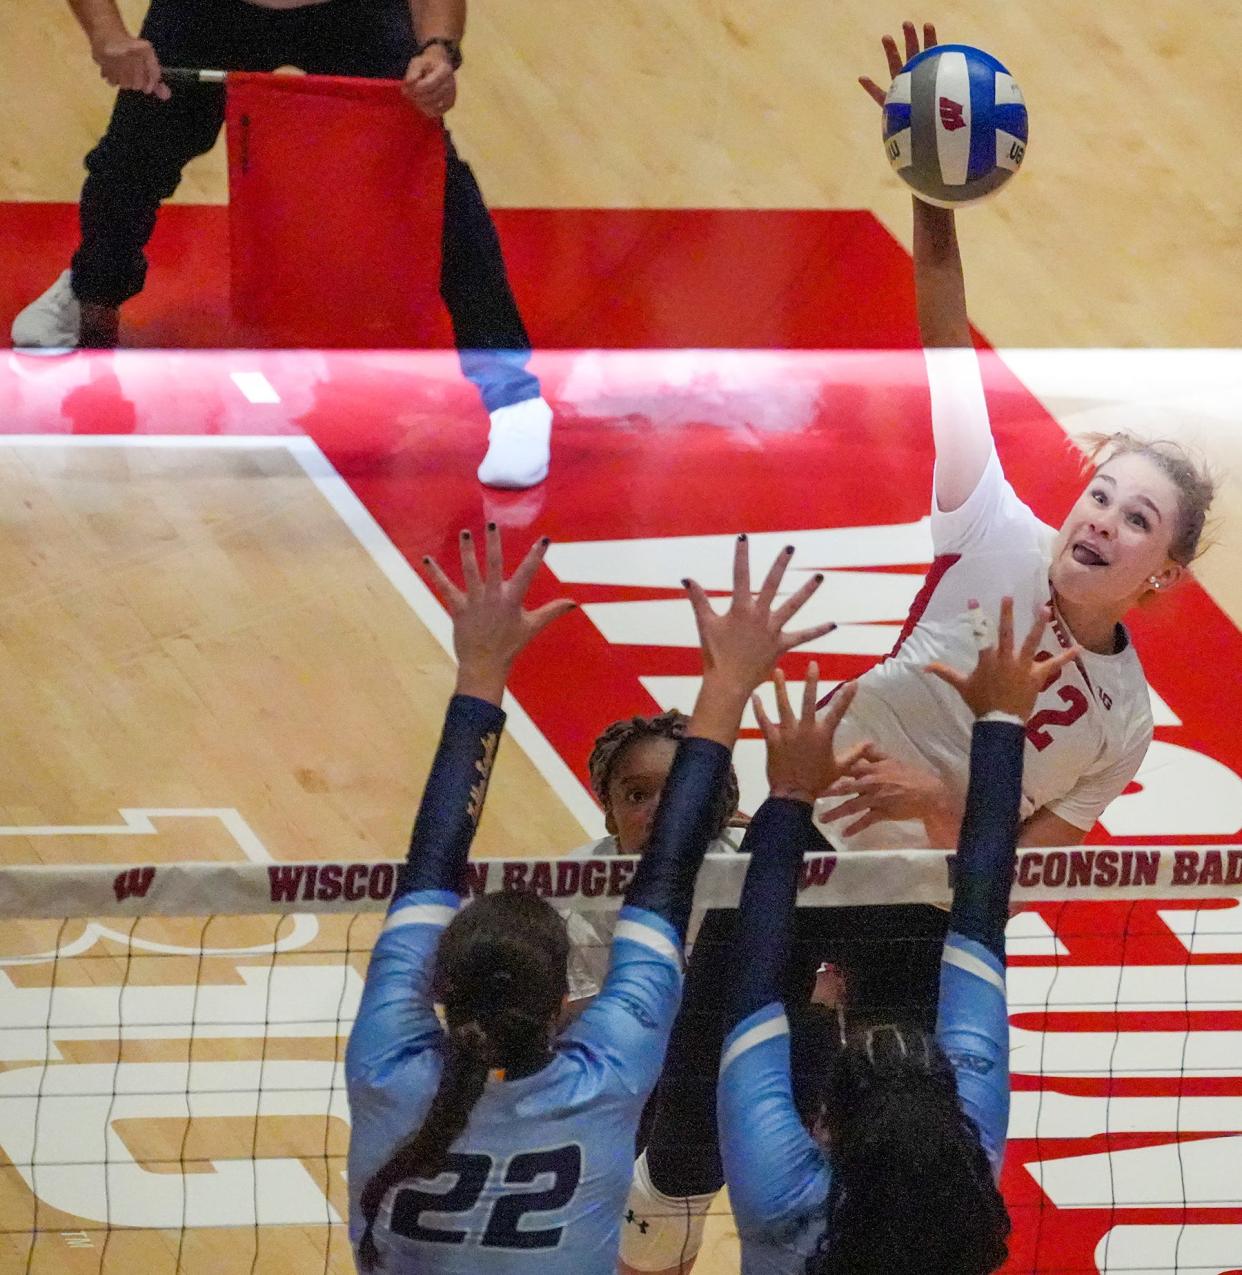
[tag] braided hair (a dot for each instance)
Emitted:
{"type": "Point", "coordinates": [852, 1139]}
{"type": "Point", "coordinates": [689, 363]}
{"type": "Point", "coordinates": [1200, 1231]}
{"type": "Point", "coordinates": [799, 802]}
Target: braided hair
{"type": "Point", "coordinates": [613, 742]}
{"type": "Point", "coordinates": [501, 975]}
{"type": "Point", "coordinates": [913, 1192]}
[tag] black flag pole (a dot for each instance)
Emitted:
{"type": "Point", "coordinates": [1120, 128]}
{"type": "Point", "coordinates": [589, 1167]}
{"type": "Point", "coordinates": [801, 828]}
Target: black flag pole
{"type": "Point", "coordinates": [189, 75]}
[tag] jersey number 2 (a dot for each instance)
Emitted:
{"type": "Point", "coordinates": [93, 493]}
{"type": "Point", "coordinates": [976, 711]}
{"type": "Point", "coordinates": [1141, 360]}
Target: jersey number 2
{"type": "Point", "coordinates": [1075, 706]}
{"type": "Point", "coordinates": [563, 1165]}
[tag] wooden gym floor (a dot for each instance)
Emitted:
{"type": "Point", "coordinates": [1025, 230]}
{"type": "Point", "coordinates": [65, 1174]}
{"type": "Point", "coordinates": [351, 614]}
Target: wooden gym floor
{"type": "Point", "coordinates": [227, 631]}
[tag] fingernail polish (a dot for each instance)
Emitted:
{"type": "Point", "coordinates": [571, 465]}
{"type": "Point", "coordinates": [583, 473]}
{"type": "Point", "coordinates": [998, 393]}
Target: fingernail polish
{"type": "Point", "coordinates": [789, 548]}
{"type": "Point", "coordinates": [685, 584]}
{"type": "Point", "coordinates": [465, 535]}
{"type": "Point", "coordinates": [545, 541]}
{"type": "Point", "coordinates": [819, 577]}
{"type": "Point", "coordinates": [426, 560]}
{"type": "Point", "coordinates": [742, 537]}
{"type": "Point", "coordinates": [491, 526]}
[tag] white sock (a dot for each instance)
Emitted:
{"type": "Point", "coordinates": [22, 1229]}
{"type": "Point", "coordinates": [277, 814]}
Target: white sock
{"type": "Point", "coordinates": [518, 445]}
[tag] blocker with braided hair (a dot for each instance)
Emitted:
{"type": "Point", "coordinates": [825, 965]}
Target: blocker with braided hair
{"type": "Point", "coordinates": [629, 799]}
{"type": "Point", "coordinates": [891, 1166]}
{"type": "Point", "coordinates": [911, 1176]}
{"type": "Point", "coordinates": [500, 974]}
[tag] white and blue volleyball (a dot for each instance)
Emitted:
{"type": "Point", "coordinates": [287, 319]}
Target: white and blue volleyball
{"type": "Point", "coordinates": [955, 125]}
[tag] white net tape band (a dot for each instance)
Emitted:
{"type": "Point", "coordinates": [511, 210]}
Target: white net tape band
{"type": "Point", "coordinates": [873, 877]}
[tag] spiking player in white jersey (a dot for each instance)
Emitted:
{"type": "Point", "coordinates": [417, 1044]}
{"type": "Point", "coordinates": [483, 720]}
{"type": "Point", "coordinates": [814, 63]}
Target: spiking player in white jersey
{"type": "Point", "coordinates": [887, 1162]}
{"type": "Point", "coordinates": [497, 1143]}
{"type": "Point", "coordinates": [1132, 532]}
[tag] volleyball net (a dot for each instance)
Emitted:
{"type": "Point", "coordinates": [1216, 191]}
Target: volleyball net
{"type": "Point", "coordinates": [172, 1051]}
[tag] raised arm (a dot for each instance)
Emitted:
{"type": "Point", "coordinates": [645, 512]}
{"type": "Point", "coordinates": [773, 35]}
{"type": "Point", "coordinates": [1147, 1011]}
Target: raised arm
{"type": "Point", "coordinates": [973, 1022]}
{"type": "Point", "coordinates": [739, 649]}
{"type": "Point", "coordinates": [773, 1166]}
{"type": "Point", "coordinates": [960, 426]}
{"type": "Point", "coordinates": [490, 628]}
{"type": "Point", "coordinates": [633, 1015]}
{"type": "Point", "coordinates": [801, 767]}
{"type": "Point", "coordinates": [1001, 691]}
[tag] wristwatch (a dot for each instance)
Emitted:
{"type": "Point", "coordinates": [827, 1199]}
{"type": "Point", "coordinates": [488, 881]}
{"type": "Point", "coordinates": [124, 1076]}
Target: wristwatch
{"type": "Point", "coordinates": [451, 47]}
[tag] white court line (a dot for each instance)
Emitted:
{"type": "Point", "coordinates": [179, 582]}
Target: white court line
{"type": "Point", "coordinates": [139, 822]}
{"type": "Point", "coordinates": [255, 386]}
{"type": "Point", "coordinates": [386, 556]}
{"type": "Point", "coordinates": [409, 584]}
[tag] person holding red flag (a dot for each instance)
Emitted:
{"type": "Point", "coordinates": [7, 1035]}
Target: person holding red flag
{"type": "Point", "coordinates": [154, 132]}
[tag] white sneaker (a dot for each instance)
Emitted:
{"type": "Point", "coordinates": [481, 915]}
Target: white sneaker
{"type": "Point", "coordinates": [518, 445]}
{"type": "Point", "coordinates": [52, 323]}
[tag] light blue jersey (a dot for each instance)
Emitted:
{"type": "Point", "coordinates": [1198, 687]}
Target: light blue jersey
{"type": "Point", "coordinates": [538, 1180]}
{"type": "Point", "coordinates": [778, 1176]}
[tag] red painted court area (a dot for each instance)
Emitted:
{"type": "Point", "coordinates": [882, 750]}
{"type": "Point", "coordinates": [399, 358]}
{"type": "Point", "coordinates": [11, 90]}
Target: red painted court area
{"type": "Point", "coordinates": [594, 278]}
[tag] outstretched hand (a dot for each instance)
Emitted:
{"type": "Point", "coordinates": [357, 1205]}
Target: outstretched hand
{"type": "Point", "coordinates": [1005, 681]}
{"type": "Point", "coordinates": [741, 646]}
{"type": "Point", "coordinates": [490, 625]}
{"type": "Point", "coordinates": [802, 761]}
{"type": "Point", "coordinates": [894, 58]}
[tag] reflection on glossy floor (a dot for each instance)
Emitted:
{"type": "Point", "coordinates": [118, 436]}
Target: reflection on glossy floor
{"type": "Point", "coordinates": [208, 609]}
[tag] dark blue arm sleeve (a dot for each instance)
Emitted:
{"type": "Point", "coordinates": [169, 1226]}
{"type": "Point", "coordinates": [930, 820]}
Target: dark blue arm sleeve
{"type": "Point", "coordinates": [453, 798]}
{"type": "Point", "coordinates": [664, 880]}
{"type": "Point", "coordinates": [779, 833]}
{"type": "Point", "coordinates": [987, 846]}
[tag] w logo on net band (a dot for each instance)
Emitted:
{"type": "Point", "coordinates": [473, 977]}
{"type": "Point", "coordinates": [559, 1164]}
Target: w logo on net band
{"type": "Point", "coordinates": [133, 883]}
{"type": "Point", "coordinates": [952, 116]}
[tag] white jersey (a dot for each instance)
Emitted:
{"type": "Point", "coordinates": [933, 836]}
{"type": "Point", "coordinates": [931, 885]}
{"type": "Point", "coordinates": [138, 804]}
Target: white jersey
{"type": "Point", "coordinates": [1090, 728]}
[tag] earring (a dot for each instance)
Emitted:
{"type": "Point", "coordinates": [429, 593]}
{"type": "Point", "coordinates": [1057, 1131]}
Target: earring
{"type": "Point", "coordinates": [1155, 584]}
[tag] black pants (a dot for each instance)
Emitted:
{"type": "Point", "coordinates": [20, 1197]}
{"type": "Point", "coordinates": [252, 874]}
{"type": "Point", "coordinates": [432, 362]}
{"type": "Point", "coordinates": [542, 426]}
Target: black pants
{"type": "Point", "coordinates": [138, 163]}
{"type": "Point", "coordinates": [890, 959]}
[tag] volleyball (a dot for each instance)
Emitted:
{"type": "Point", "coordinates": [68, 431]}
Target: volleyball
{"type": "Point", "coordinates": [955, 125]}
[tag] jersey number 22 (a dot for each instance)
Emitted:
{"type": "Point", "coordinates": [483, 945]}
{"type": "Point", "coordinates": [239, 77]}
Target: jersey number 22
{"type": "Point", "coordinates": [562, 1164]}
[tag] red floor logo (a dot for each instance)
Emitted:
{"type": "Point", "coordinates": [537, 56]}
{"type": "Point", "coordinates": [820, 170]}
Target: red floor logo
{"type": "Point", "coordinates": [1125, 1089]}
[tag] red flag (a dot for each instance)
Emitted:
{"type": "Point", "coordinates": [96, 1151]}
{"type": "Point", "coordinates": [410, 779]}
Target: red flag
{"type": "Point", "coordinates": [336, 202]}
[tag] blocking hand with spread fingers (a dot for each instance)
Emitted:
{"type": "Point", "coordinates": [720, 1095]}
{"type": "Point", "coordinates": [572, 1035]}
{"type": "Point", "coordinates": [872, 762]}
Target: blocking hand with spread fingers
{"type": "Point", "coordinates": [490, 622]}
{"type": "Point", "coordinates": [802, 759]}
{"type": "Point", "coordinates": [741, 647]}
{"type": "Point", "coordinates": [1005, 680]}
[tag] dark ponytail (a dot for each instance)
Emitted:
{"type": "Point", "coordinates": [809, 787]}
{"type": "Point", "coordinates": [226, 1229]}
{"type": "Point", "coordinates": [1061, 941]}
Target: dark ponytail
{"type": "Point", "coordinates": [913, 1191]}
{"type": "Point", "coordinates": [501, 976]}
